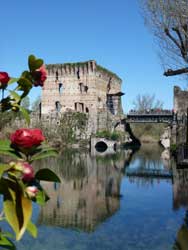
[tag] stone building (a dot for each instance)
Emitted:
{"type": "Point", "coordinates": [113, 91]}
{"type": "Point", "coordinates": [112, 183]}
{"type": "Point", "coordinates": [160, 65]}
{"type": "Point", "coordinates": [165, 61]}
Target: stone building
{"type": "Point", "coordinates": [83, 87]}
{"type": "Point", "coordinates": [179, 132]}
{"type": "Point", "coordinates": [180, 101]}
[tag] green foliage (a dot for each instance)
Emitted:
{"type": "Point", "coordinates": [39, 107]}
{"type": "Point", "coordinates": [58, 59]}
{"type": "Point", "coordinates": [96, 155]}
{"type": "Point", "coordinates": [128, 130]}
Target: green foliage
{"type": "Point", "coordinates": [115, 136]}
{"type": "Point", "coordinates": [7, 118]}
{"type": "Point", "coordinates": [24, 85]}
{"type": "Point", "coordinates": [17, 206]}
{"type": "Point", "coordinates": [6, 149]}
{"type": "Point", "coordinates": [173, 148]}
{"type": "Point", "coordinates": [148, 132]}
{"type": "Point", "coordinates": [32, 229]}
{"type": "Point", "coordinates": [19, 187]}
{"type": "Point", "coordinates": [34, 63]}
{"type": "Point", "coordinates": [41, 197]}
{"type": "Point", "coordinates": [46, 174]}
{"type": "Point", "coordinates": [106, 71]}
{"type": "Point", "coordinates": [70, 123]}
{"type": "Point", "coordinates": [5, 242]}
{"type": "Point", "coordinates": [18, 210]}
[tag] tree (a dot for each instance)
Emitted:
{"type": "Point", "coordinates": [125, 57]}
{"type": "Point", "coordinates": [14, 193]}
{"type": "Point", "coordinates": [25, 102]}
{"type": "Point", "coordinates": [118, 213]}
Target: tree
{"type": "Point", "coordinates": [168, 20]}
{"type": "Point", "coordinates": [25, 103]}
{"type": "Point", "coordinates": [144, 102]}
{"type": "Point", "coordinates": [36, 103]}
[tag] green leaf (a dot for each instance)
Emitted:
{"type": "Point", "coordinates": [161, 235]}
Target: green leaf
{"type": "Point", "coordinates": [46, 174]}
{"type": "Point", "coordinates": [31, 62]}
{"type": "Point", "coordinates": [44, 154]}
{"type": "Point", "coordinates": [32, 229]}
{"type": "Point", "coordinates": [11, 215]}
{"type": "Point", "coordinates": [15, 96]}
{"type": "Point", "coordinates": [27, 212]}
{"type": "Point", "coordinates": [12, 80]}
{"type": "Point", "coordinates": [4, 143]}
{"type": "Point", "coordinates": [12, 153]}
{"type": "Point", "coordinates": [7, 234]}
{"type": "Point", "coordinates": [38, 63]}
{"type": "Point", "coordinates": [6, 149]}
{"type": "Point", "coordinates": [25, 114]}
{"type": "Point", "coordinates": [34, 63]}
{"type": "Point", "coordinates": [41, 197]}
{"type": "Point", "coordinates": [18, 211]}
{"type": "Point", "coordinates": [5, 243]}
{"type": "Point", "coordinates": [24, 84]}
{"type": "Point", "coordinates": [3, 168]}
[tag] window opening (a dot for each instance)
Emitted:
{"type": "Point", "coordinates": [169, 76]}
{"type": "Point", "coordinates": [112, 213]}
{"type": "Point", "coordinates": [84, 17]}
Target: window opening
{"type": "Point", "coordinates": [78, 74]}
{"type": "Point", "coordinates": [60, 88]}
{"type": "Point", "coordinates": [57, 75]}
{"type": "Point", "coordinates": [57, 106]}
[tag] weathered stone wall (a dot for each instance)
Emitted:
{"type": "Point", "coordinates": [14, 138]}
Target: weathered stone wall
{"type": "Point", "coordinates": [180, 101]}
{"type": "Point", "coordinates": [82, 87]}
{"type": "Point", "coordinates": [179, 128]}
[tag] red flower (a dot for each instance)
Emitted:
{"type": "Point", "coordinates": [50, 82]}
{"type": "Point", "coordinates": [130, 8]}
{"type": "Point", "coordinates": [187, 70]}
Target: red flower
{"type": "Point", "coordinates": [40, 76]}
{"type": "Point", "coordinates": [27, 138]}
{"type": "Point", "coordinates": [4, 78]}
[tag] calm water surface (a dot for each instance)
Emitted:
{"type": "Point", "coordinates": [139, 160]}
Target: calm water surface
{"type": "Point", "coordinates": [123, 201]}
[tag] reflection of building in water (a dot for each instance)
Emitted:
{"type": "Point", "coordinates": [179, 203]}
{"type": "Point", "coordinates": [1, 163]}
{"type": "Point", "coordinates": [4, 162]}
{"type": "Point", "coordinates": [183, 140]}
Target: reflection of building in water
{"type": "Point", "coordinates": [180, 187]}
{"type": "Point", "coordinates": [86, 198]}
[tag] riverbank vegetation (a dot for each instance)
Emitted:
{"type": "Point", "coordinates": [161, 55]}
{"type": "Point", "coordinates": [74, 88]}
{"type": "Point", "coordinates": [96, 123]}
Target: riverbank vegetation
{"type": "Point", "coordinates": [148, 132]}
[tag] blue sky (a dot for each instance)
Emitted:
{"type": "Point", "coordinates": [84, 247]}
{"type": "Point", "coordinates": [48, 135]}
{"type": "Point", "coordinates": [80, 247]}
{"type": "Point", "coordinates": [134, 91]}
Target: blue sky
{"type": "Point", "coordinates": [111, 32]}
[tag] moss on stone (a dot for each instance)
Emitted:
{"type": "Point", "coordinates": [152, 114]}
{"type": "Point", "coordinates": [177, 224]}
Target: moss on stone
{"type": "Point", "coordinates": [106, 71]}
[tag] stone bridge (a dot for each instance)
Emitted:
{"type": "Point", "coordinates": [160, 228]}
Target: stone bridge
{"type": "Point", "coordinates": [151, 173]}
{"type": "Point", "coordinates": [102, 145]}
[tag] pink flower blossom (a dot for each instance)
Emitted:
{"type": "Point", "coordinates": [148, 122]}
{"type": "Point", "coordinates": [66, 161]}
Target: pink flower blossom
{"type": "Point", "coordinates": [40, 76]}
{"type": "Point", "coordinates": [31, 191]}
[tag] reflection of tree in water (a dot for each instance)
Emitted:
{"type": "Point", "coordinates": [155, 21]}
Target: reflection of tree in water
{"type": "Point", "coordinates": [148, 156]}
{"type": "Point", "coordinates": [146, 168]}
{"type": "Point", "coordinates": [181, 242]}
{"type": "Point", "coordinates": [89, 192]}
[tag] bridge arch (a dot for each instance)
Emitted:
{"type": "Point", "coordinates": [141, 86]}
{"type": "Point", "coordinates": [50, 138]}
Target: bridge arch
{"type": "Point", "coordinates": [101, 146]}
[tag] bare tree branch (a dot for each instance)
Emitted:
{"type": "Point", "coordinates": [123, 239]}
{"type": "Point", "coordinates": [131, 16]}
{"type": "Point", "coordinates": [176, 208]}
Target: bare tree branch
{"type": "Point", "coordinates": [171, 72]}
{"type": "Point", "coordinates": [168, 20]}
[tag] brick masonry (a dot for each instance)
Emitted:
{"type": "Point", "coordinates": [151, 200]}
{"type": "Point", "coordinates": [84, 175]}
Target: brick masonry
{"type": "Point", "coordinates": [83, 87]}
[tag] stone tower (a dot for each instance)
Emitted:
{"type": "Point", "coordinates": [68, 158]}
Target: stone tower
{"type": "Point", "coordinates": [83, 87]}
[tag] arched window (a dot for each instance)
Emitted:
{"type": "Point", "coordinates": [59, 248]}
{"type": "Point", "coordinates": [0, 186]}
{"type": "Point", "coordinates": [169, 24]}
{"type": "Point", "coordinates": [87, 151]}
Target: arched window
{"type": "Point", "coordinates": [60, 88]}
{"type": "Point", "coordinates": [57, 106]}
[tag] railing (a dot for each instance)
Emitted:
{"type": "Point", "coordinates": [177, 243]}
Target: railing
{"type": "Point", "coordinates": [151, 112]}
{"type": "Point", "coordinates": [151, 116]}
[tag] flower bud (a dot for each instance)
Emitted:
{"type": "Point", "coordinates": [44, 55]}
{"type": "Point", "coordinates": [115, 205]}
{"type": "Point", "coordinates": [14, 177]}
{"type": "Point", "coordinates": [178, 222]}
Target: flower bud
{"type": "Point", "coordinates": [28, 172]}
{"type": "Point", "coordinates": [12, 163]}
{"type": "Point", "coordinates": [31, 191]}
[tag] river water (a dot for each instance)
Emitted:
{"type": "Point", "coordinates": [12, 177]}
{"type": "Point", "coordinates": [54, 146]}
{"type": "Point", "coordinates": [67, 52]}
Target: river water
{"type": "Point", "coordinates": [129, 200]}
